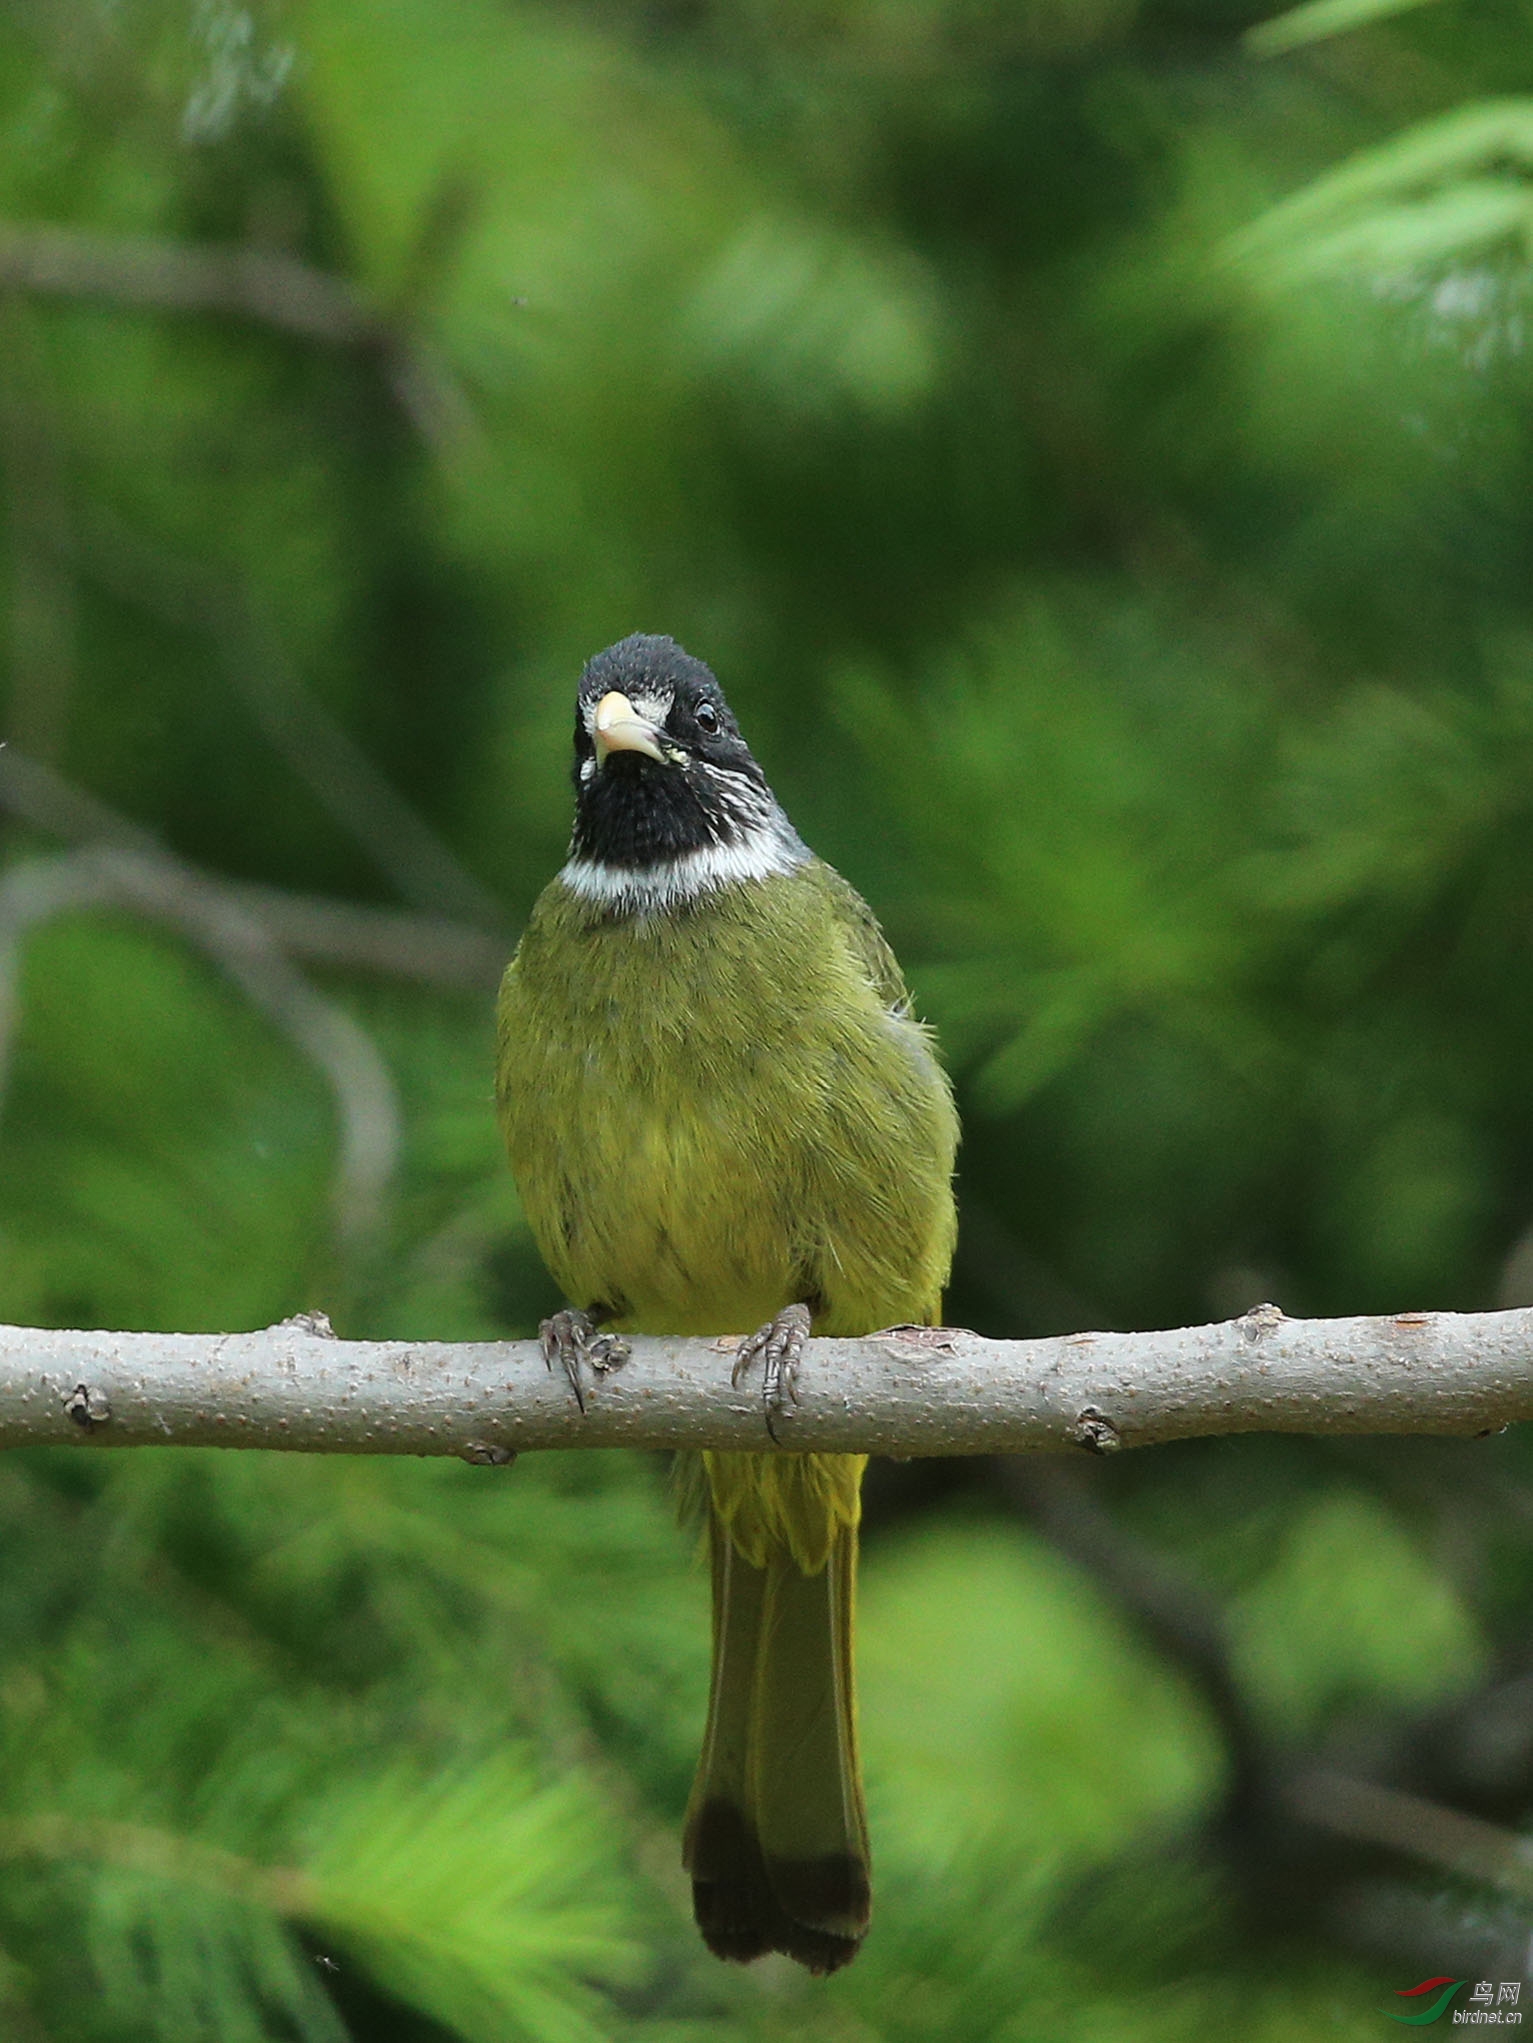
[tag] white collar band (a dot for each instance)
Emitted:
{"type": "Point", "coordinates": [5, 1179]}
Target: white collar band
{"type": "Point", "coordinates": [648, 890]}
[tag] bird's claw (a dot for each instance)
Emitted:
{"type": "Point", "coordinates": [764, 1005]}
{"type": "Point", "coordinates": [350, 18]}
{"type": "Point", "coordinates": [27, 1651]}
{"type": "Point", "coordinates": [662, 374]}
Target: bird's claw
{"type": "Point", "coordinates": [571, 1340]}
{"type": "Point", "coordinates": [779, 1347]}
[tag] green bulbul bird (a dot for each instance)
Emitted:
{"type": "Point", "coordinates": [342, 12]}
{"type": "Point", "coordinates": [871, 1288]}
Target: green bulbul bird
{"type": "Point", "coordinates": [721, 1114]}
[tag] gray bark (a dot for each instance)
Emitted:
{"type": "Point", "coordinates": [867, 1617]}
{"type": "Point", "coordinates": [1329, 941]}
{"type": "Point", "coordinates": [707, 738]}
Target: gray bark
{"type": "Point", "coordinates": [904, 1392]}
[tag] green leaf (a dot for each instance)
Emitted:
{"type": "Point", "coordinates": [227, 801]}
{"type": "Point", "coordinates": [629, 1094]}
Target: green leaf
{"type": "Point", "coordinates": [483, 1897]}
{"type": "Point", "coordinates": [1317, 19]}
{"type": "Point", "coordinates": [1446, 188]}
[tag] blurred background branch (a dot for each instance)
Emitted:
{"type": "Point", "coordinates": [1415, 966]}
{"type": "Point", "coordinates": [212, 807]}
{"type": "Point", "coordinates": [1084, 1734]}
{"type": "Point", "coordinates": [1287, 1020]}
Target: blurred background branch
{"type": "Point", "coordinates": [167, 276]}
{"type": "Point", "coordinates": [349, 934]}
{"type": "Point", "coordinates": [264, 285]}
{"type": "Point", "coordinates": [366, 1108]}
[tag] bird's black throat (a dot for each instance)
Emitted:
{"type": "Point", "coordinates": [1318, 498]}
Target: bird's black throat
{"type": "Point", "coordinates": [634, 812]}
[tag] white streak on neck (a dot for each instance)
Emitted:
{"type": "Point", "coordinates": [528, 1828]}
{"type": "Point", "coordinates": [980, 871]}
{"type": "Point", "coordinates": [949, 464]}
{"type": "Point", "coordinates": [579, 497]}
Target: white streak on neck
{"type": "Point", "coordinates": [649, 890]}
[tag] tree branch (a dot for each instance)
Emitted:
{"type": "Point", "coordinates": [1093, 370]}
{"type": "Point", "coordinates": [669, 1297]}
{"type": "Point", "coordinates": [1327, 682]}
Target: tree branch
{"type": "Point", "coordinates": [906, 1391]}
{"type": "Point", "coordinates": [1181, 1620]}
{"type": "Point", "coordinates": [261, 285]}
{"type": "Point", "coordinates": [355, 935]}
{"type": "Point", "coordinates": [360, 1082]}
{"type": "Point", "coordinates": [317, 746]}
{"type": "Point", "coordinates": [169, 276]}
{"type": "Point", "coordinates": [1365, 1812]}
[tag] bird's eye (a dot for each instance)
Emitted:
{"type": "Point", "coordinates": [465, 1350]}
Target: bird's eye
{"type": "Point", "coordinates": [707, 718]}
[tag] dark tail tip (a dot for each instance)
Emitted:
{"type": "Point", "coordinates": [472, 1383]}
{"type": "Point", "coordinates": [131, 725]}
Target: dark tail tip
{"type": "Point", "coordinates": [746, 1906]}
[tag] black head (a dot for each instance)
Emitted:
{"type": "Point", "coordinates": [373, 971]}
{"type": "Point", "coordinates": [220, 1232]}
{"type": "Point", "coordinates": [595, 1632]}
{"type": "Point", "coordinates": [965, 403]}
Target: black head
{"type": "Point", "coordinates": [660, 766]}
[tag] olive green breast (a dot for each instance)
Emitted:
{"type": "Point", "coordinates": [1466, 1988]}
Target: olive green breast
{"type": "Point", "coordinates": [713, 1112]}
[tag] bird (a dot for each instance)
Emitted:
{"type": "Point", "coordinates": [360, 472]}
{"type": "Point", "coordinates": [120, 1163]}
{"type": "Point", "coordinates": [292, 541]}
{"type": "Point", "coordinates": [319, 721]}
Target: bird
{"type": "Point", "coordinates": [722, 1114]}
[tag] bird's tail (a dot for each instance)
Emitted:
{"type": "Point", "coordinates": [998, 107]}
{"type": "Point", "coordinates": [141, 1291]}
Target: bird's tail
{"type": "Point", "coordinates": [776, 1836]}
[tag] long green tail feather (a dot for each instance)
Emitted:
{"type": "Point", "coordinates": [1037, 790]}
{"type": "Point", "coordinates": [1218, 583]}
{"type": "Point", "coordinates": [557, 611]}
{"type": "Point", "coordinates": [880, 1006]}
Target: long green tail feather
{"type": "Point", "coordinates": [776, 1837]}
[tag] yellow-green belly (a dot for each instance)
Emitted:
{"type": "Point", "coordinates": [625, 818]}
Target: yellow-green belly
{"type": "Point", "coordinates": [712, 1114]}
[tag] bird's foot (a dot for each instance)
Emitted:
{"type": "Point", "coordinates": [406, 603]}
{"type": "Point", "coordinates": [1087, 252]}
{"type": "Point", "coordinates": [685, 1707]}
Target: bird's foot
{"type": "Point", "coordinates": [779, 1347]}
{"type": "Point", "coordinates": [571, 1339]}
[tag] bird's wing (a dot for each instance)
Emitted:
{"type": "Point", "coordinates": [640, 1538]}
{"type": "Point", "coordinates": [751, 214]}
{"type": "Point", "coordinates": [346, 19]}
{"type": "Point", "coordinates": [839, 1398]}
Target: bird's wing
{"type": "Point", "coordinates": [860, 926]}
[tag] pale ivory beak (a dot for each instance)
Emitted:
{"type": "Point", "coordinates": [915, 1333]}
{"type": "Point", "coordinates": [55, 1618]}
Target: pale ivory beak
{"type": "Point", "coordinates": [618, 727]}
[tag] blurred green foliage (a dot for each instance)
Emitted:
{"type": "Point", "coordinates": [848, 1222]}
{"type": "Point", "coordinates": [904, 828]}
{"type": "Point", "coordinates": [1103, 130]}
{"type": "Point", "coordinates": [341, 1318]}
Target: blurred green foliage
{"type": "Point", "coordinates": [1092, 444]}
